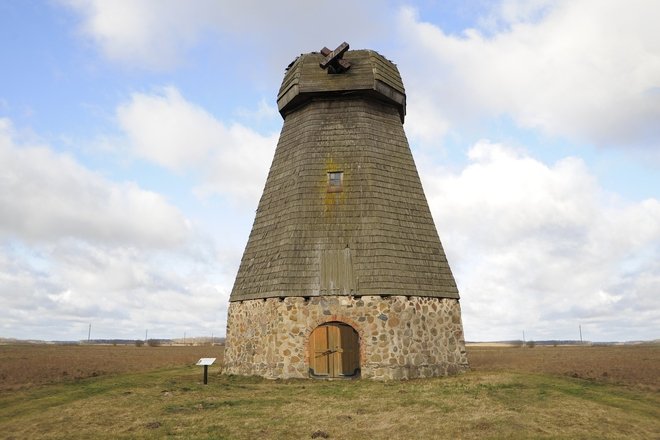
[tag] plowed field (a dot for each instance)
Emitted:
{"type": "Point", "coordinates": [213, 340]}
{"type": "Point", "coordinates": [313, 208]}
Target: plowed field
{"type": "Point", "coordinates": [35, 364]}
{"type": "Point", "coordinates": [633, 365]}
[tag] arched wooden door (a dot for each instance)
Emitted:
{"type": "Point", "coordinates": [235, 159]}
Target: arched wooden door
{"type": "Point", "coordinates": [334, 350]}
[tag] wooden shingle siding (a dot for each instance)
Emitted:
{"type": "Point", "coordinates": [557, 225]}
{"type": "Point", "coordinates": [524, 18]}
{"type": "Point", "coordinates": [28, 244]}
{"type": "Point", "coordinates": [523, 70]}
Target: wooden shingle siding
{"type": "Point", "coordinates": [301, 232]}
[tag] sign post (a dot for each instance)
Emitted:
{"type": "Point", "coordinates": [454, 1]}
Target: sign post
{"type": "Point", "coordinates": [205, 362]}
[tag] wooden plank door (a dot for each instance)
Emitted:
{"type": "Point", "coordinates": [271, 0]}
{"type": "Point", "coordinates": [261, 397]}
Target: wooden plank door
{"type": "Point", "coordinates": [319, 351]}
{"type": "Point", "coordinates": [334, 350]}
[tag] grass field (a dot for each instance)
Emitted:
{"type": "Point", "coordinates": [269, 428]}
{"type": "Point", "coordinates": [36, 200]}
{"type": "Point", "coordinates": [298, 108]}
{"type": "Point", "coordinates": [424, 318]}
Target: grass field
{"type": "Point", "coordinates": [508, 394]}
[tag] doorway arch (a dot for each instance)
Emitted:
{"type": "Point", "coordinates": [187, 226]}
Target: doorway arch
{"type": "Point", "coordinates": [334, 351]}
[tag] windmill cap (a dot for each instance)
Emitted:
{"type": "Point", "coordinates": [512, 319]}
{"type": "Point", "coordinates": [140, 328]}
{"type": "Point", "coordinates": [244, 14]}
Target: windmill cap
{"type": "Point", "coordinates": [369, 74]}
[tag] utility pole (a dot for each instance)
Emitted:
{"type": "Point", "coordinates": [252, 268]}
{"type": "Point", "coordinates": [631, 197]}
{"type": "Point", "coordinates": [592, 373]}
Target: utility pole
{"type": "Point", "coordinates": [580, 333]}
{"type": "Point", "coordinates": [146, 334]}
{"type": "Point", "coordinates": [523, 338]}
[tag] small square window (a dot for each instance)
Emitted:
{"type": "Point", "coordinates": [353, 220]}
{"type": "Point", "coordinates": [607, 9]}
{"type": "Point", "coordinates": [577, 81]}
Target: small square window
{"type": "Point", "coordinates": [335, 180]}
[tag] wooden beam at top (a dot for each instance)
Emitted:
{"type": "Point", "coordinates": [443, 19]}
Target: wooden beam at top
{"type": "Point", "coordinates": [333, 59]}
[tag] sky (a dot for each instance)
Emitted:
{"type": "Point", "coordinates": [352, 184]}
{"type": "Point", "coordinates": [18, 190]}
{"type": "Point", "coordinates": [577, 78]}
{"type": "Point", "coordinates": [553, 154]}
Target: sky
{"type": "Point", "coordinates": [136, 136]}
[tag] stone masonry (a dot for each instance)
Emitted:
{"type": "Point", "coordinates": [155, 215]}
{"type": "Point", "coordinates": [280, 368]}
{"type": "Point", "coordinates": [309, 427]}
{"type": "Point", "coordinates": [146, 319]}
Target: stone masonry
{"type": "Point", "coordinates": [400, 337]}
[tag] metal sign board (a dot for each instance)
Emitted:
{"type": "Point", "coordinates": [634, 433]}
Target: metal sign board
{"type": "Point", "coordinates": [206, 361]}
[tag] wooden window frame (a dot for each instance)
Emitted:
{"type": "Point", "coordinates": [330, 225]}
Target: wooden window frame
{"type": "Point", "coordinates": [335, 184]}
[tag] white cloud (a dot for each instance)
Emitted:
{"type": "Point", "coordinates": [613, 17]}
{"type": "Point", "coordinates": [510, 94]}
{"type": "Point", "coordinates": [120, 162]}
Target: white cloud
{"type": "Point", "coordinates": [544, 248]}
{"type": "Point", "coordinates": [46, 196]}
{"type": "Point", "coordinates": [583, 69]}
{"type": "Point", "coordinates": [168, 130]}
{"type": "Point", "coordinates": [263, 112]}
{"type": "Point", "coordinates": [505, 13]}
{"type": "Point", "coordinates": [135, 288]}
{"type": "Point", "coordinates": [121, 290]}
{"type": "Point", "coordinates": [156, 33]}
{"type": "Point", "coordinates": [76, 248]}
{"type": "Point", "coordinates": [153, 33]}
{"type": "Point", "coordinates": [164, 128]}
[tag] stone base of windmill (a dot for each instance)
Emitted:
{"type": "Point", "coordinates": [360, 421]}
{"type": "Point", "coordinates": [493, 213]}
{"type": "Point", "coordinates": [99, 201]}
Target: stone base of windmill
{"type": "Point", "coordinates": [389, 337]}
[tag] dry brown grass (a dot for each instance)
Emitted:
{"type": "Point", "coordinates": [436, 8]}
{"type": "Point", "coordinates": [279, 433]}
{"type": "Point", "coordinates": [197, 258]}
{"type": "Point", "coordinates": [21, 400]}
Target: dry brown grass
{"type": "Point", "coordinates": [631, 365]}
{"type": "Point", "coordinates": [35, 364]}
{"type": "Point", "coordinates": [476, 405]}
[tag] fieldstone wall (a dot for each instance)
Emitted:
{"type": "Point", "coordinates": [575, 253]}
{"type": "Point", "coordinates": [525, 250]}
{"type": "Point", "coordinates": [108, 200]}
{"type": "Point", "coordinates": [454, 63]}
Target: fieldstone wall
{"type": "Point", "coordinates": [400, 337]}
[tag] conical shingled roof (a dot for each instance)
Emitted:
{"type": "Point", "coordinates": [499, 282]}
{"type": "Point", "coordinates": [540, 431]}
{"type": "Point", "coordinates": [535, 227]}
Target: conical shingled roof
{"type": "Point", "coordinates": [372, 234]}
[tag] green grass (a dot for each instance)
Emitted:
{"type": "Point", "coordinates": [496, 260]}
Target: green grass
{"type": "Point", "coordinates": [174, 403]}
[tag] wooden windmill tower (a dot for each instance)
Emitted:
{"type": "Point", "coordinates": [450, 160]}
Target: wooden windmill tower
{"type": "Point", "coordinates": [344, 274]}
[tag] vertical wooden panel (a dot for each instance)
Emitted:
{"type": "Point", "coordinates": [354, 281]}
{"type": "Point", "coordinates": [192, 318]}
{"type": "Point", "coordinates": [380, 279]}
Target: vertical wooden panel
{"type": "Point", "coordinates": [336, 272]}
{"type": "Point", "coordinates": [318, 350]}
{"type": "Point", "coordinates": [334, 346]}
